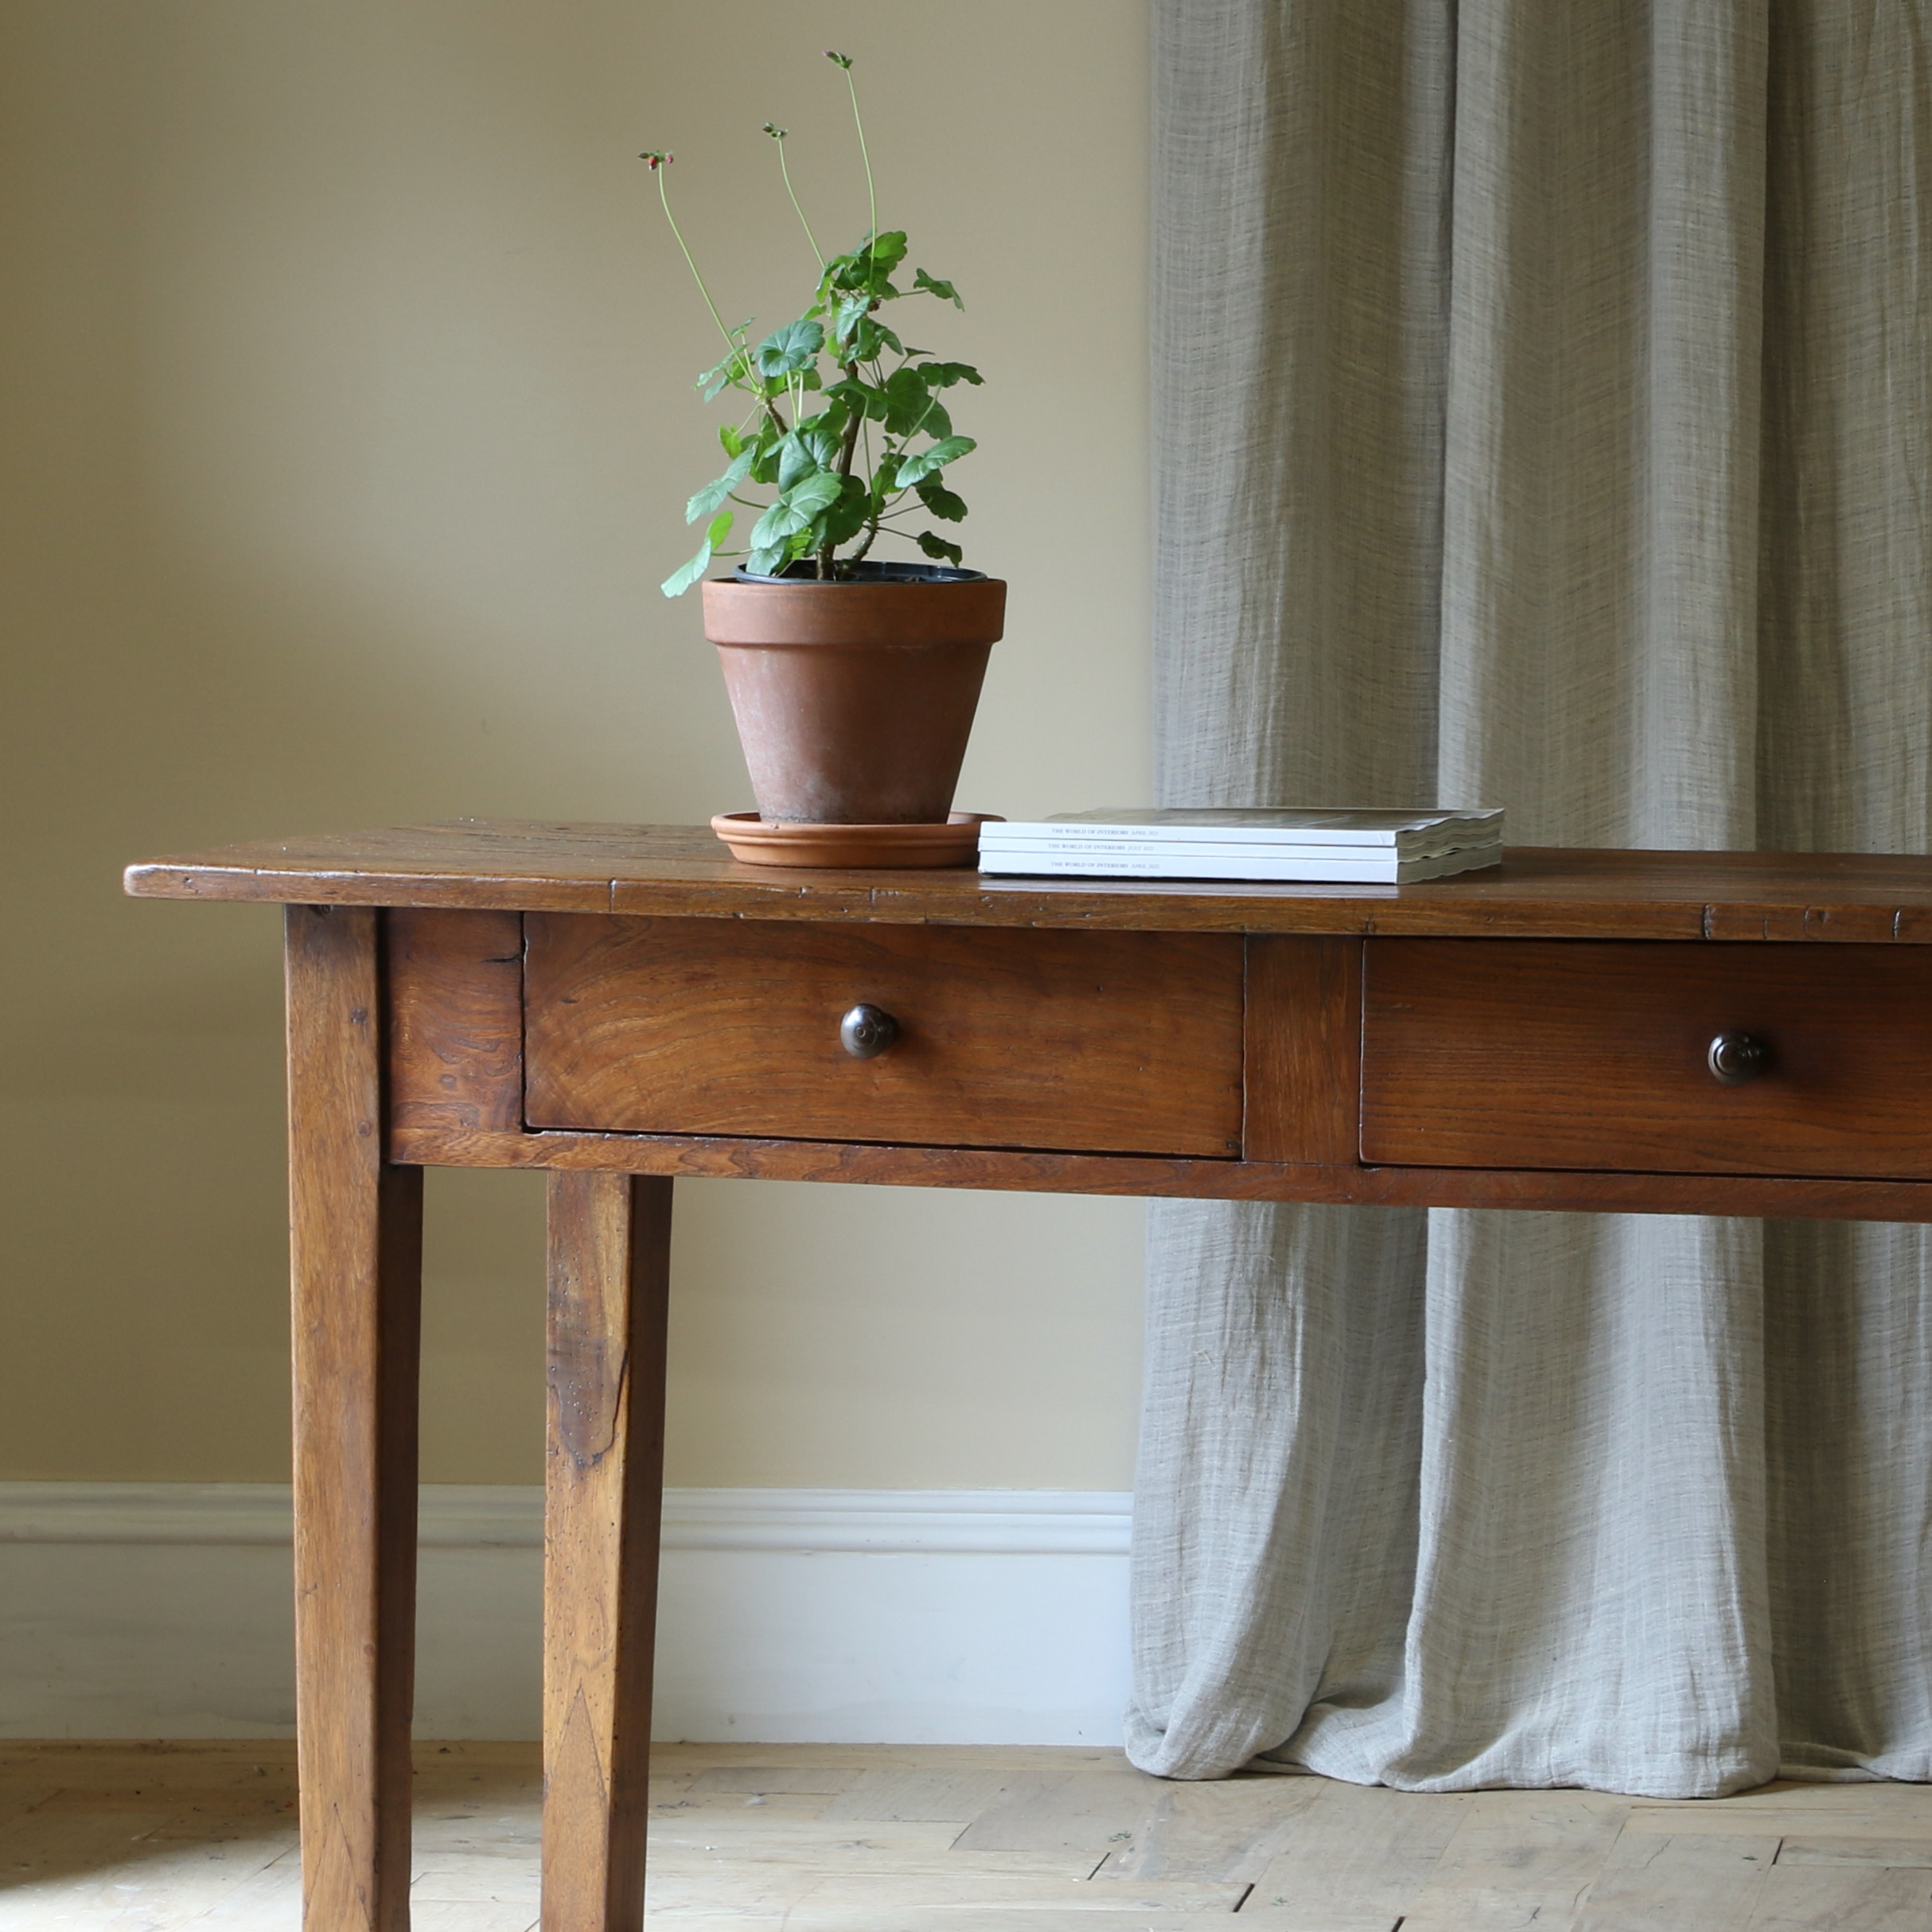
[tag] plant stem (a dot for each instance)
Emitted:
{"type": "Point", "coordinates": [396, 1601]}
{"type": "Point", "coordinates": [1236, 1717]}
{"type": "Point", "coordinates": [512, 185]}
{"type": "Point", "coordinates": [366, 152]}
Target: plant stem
{"type": "Point", "coordinates": [846, 446]}
{"type": "Point", "coordinates": [664, 196]}
{"type": "Point", "coordinates": [807, 226]}
{"type": "Point", "coordinates": [851, 87]}
{"type": "Point", "coordinates": [731, 341]}
{"type": "Point", "coordinates": [852, 427]}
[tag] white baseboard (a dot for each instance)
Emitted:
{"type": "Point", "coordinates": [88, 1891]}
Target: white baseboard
{"type": "Point", "coordinates": [816, 1616]}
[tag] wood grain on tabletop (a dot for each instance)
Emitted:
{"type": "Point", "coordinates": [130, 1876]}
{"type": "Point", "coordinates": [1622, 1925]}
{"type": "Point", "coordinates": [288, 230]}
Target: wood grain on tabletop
{"type": "Point", "coordinates": [356, 1248]}
{"type": "Point", "coordinates": [884, 1838]}
{"type": "Point", "coordinates": [1483, 1053]}
{"type": "Point", "coordinates": [684, 871]}
{"type": "Point", "coordinates": [609, 1260]}
{"type": "Point", "coordinates": [1087, 1040]}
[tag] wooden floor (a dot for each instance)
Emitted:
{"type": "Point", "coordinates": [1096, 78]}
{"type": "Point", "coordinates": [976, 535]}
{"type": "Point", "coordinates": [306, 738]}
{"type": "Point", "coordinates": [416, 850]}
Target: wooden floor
{"type": "Point", "coordinates": [850, 1838]}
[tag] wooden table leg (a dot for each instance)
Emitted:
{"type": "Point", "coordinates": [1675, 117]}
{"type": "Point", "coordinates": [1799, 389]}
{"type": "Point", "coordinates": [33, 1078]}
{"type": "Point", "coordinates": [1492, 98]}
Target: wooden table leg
{"type": "Point", "coordinates": [356, 1227]}
{"type": "Point", "coordinates": [610, 1275]}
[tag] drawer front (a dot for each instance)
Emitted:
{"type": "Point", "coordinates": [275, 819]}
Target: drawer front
{"type": "Point", "coordinates": [1582, 1054]}
{"type": "Point", "coordinates": [1101, 1042]}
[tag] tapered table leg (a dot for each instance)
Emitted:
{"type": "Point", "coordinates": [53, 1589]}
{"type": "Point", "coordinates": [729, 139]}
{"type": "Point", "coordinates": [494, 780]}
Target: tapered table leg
{"type": "Point", "coordinates": [609, 1273]}
{"type": "Point", "coordinates": [356, 1228]}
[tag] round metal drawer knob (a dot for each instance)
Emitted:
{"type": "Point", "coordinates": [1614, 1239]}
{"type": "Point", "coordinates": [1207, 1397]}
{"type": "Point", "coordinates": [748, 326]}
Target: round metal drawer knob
{"type": "Point", "coordinates": [866, 1031]}
{"type": "Point", "coordinates": [1735, 1058]}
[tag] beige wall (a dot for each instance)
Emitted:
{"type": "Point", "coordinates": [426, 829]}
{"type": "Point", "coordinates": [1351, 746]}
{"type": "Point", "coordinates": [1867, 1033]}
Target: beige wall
{"type": "Point", "coordinates": [347, 438]}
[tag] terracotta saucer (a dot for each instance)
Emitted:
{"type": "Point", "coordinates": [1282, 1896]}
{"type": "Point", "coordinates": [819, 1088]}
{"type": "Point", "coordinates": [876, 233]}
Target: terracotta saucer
{"type": "Point", "coordinates": [754, 843]}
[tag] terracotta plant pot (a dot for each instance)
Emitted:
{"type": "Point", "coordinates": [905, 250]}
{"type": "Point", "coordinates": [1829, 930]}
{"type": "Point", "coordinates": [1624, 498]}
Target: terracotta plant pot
{"type": "Point", "coordinates": [854, 701]}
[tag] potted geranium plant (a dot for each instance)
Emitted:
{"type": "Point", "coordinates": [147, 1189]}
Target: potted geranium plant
{"type": "Point", "coordinates": [853, 679]}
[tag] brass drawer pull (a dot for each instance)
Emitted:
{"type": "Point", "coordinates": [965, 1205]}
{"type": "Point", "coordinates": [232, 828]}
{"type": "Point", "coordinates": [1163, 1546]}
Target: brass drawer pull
{"type": "Point", "coordinates": [1735, 1058]}
{"type": "Point", "coordinates": [867, 1030]}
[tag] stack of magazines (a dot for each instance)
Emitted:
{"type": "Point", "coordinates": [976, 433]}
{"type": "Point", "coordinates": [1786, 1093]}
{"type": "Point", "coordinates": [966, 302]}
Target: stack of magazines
{"type": "Point", "coordinates": [1347, 846]}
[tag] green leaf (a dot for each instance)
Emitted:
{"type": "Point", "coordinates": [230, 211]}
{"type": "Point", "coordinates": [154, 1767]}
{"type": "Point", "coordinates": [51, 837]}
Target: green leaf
{"type": "Point", "coordinates": [823, 434]}
{"type": "Point", "coordinates": [794, 512]}
{"type": "Point", "coordinates": [818, 491]}
{"type": "Point", "coordinates": [731, 438]}
{"type": "Point", "coordinates": [795, 461]}
{"type": "Point", "coordinates": [940, 502]}
{"type": "Point", "coordinates": [944, 290]}
{"type": "Point", "coordinates": [778, 522]}
{"type": "Point", "coordinates": [867, 270]}
{"type": "Point", "coordinates": [765, 452]}
{"type": "Point", "coordinates": [708, 499]}
{"type": "Point", "coordinates": [768, 562]}
{"type": "Point", "coordinates": [909, 402]}
{"type": "Point", "coordinates": [857, 394]}
{"type": "Point", "coordinates": [680, 581]}
{"type": "Point", "coordinates": [938, 547]}
{"type": "Point", "coordinates": [851, 312]}
{"type": "Point", "coordinates": [836, 274]}
{"type": "Point", "coordinates": [870, 339]}
{"type": "Point", "coordinates": [847, 517]}
{"type": "Point", "coordinates": [926, 462]}
{"type": "Point", "coordinates": [790, 347]}
{"type": "Point", "coordinates": [734, 371]}
{"type": "Point", "coordinates": [944, 375]}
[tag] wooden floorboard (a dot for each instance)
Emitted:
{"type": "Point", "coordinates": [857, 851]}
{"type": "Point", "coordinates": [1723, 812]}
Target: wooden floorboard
{"type": "Point", "coordinates": [114, 1837]}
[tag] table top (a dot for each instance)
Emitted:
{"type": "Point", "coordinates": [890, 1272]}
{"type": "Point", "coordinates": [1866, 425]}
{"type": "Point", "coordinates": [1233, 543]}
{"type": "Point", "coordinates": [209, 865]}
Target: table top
{"type": "Point", "coordinates": [683, 872]}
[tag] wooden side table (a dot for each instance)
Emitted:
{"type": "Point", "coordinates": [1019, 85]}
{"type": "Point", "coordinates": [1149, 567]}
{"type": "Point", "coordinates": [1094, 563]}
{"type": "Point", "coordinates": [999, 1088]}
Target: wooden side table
{"type": "Point", "coordinates": [1670, 1033]}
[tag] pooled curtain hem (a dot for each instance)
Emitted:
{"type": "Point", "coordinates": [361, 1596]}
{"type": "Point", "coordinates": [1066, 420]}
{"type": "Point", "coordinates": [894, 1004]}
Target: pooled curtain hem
{"type": "Point", "coordinates": [1792, 1771]}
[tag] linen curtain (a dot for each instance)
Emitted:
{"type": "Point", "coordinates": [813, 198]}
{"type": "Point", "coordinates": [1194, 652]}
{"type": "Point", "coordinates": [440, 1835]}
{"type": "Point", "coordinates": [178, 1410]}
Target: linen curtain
{"type": "Point", "coordinates": [1543, 412]}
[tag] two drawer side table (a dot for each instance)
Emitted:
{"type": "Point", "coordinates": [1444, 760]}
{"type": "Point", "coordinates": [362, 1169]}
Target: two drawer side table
{"type": "Point", "coordinates": [1655, 1032]}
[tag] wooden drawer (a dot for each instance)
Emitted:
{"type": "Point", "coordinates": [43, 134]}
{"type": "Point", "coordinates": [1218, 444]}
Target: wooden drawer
{"type": "Point", "coordinates": [1589, 1054]}
{"type": "Point", "coordinates": [1105, 1041]}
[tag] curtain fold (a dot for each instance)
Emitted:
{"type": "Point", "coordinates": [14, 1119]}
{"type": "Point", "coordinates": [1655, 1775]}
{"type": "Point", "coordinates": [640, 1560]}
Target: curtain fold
{"type": "Point", "coordinates": [1543, 416]}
